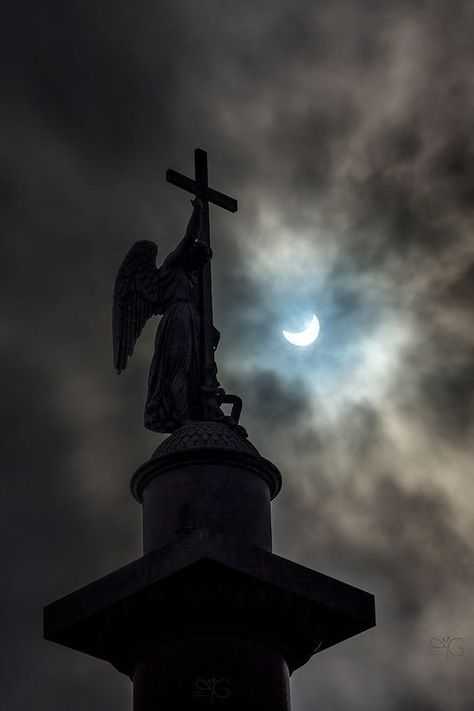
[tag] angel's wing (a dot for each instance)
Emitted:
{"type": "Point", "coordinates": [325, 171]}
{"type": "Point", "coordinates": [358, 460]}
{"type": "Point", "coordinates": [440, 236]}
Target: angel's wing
{"type": "Point", "coordinates": [136, 298]}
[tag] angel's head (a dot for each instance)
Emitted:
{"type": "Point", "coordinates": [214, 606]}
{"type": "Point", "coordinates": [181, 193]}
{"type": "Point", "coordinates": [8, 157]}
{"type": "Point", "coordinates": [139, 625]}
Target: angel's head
{"type": "Point", "coordinates": [197, 255]}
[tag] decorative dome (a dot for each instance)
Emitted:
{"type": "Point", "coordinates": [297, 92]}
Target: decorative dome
{"type": "Point", "coordinates": [212, 444]}
{"type": "Point", "coordinates": [205, 435]}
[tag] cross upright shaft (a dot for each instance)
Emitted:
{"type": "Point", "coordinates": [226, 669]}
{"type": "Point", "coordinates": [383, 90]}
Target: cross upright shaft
{"type": "Point", "coordinates": [200, 188]}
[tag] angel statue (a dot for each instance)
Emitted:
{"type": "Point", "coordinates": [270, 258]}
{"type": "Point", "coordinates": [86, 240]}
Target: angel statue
{"type": "Point", "coordinates": [142, 290]}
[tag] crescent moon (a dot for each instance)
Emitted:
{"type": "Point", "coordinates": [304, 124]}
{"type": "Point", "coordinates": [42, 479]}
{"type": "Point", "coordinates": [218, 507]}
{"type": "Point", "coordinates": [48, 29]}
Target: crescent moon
{"type": "Point", "coordinates": [305, 337]}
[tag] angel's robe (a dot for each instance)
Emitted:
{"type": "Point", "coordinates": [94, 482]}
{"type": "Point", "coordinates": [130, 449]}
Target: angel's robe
{"type": "Point", "coordinates": [174, 382]}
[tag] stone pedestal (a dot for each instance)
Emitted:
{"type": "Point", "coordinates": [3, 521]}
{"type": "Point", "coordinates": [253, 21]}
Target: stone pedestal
{"type": "Point", "coordinates": [209, 616]}
{"type": "Point", "coordinates": [206, 476]}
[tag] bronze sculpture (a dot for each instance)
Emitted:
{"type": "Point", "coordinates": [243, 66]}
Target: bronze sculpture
{"type": "Point", "coordinates": [182, 385]}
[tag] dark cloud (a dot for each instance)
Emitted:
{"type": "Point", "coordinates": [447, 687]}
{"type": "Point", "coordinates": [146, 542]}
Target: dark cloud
{"type": "Point", "coordinates": [345, 131]}
{"type": "Point", "coordinates": [275, 403]}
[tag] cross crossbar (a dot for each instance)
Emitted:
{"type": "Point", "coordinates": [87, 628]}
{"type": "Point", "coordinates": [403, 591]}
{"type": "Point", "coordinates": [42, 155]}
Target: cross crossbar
{"type": "Point", "coordinates": [203, 192]}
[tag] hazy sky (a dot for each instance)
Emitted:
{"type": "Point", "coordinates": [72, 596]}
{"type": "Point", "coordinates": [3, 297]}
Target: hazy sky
{"type": "Point", "coordinates": [345, 130]}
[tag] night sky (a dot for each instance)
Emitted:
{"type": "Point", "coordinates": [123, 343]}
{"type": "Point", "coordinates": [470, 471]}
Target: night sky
{"type": "Point", "coordinates": [345, 130]}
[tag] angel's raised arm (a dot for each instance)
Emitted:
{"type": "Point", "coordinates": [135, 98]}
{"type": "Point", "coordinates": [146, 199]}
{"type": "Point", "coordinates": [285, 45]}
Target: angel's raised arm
{"type": "Point", "coordinates": [192, 232]}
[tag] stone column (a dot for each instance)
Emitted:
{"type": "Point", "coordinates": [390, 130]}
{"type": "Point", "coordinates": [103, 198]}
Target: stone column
{"type": "Point", "coordinates": [208, 617]}
{"type": "Point", "coordinates": [207, 480]}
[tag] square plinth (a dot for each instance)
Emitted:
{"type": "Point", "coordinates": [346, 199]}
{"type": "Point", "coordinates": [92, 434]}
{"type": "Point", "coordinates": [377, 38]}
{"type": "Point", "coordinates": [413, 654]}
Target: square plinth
{"type": "Point", "coordinates": [199, 584]}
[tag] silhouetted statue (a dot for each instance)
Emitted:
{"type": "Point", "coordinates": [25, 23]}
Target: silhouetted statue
{"type": "Point", "coordinates": [182, 385]}
{"type": "Point", "coordinates": [141, 290]}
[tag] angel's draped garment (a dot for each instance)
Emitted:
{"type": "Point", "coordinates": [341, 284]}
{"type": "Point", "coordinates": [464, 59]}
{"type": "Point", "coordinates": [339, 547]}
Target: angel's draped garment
{"type": "Point", "coordinates": [174, 380]}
